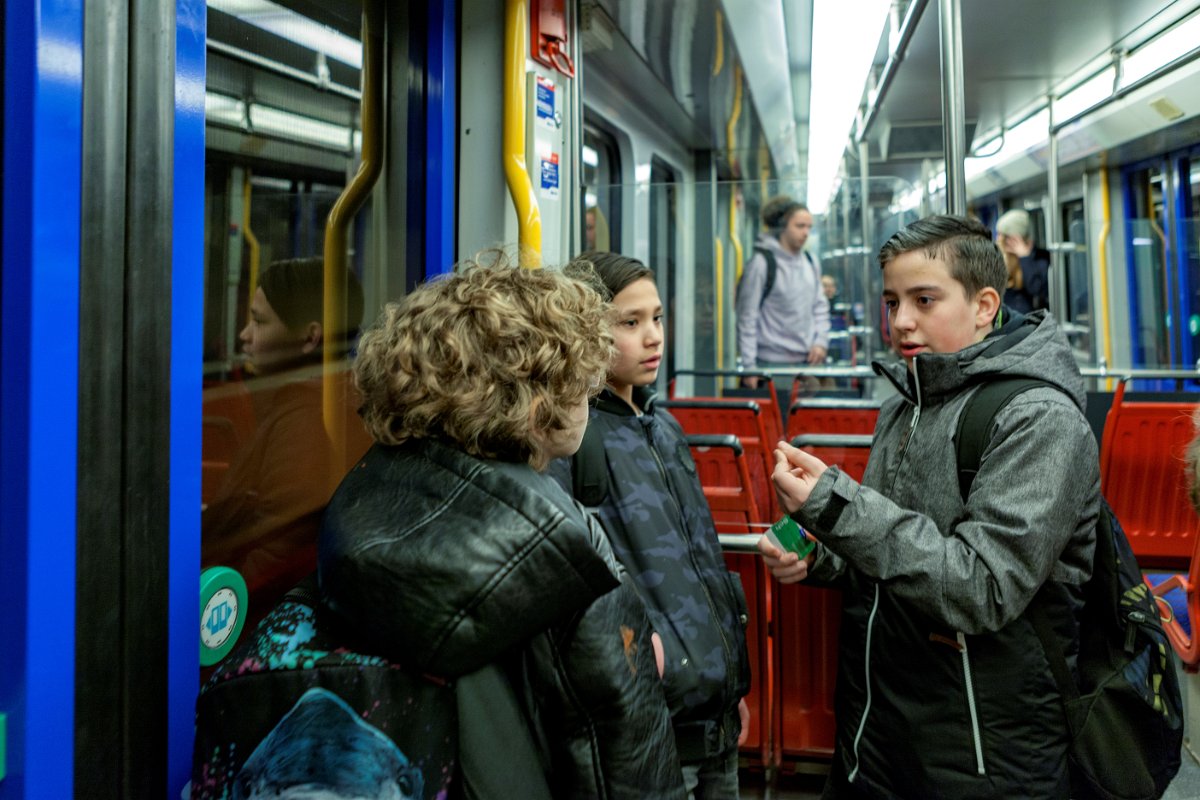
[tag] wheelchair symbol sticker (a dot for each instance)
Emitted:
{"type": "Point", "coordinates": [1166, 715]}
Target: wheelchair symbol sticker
{"type": "Point", "coordinates": [219, 618]}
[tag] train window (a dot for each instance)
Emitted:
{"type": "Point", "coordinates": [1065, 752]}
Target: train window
{"type": "Point", "coordinates": [663, 210]}
{"type": "Point", "coordinates": [282, 136]}
{"type": "Point", "coordinates": [1146, 251]}
{"type": "Point", "coordinates": [1074, 222]}
{"type": "Point", "coordinates": [601, 190]}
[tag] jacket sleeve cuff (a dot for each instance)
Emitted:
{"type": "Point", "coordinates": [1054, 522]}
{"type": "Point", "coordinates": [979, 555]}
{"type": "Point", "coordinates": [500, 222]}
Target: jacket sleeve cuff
{"type": "Point", "coordinates": [833, 491]}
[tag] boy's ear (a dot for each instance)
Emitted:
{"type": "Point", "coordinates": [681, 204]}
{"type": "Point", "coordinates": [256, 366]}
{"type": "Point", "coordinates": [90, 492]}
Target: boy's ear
{"type": "Point", "coordinates": [313, 334]}
{"type": "Point", "coordinates": [987, 307]}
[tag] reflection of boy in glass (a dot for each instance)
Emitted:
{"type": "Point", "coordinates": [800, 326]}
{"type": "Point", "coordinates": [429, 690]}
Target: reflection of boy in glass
{"type": "Point", "coordinates": [264, 519]}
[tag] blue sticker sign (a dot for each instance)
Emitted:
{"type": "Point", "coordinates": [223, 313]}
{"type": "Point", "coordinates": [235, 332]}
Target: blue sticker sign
{"type": "Point", "coordinates": [550, 175]}
{"type": "Point", "coordinates": [544, 114]}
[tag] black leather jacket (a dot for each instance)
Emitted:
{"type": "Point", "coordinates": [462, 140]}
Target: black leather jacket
{"type": "Point", "coordinates": [447, 563]}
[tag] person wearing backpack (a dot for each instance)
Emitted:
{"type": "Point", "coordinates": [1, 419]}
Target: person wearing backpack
{"type": "Point", "coordinates": [782, 313]}
{"type": "Point", "coordinates": [636, 472]}
{"type": "Point", "coordinates": [447, 549]}
{"type": "Point", "coordinates": [945, 686]}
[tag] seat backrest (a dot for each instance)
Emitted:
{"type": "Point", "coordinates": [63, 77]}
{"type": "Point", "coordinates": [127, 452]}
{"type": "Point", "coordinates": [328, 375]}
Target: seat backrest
{"type": "Point", "coordinates": [724, 473]}
{"type": "Point", "coordinates": [745, 420]}
{"type": "Point", "coordinates": [832, 415]}
{"type": "Point", "coordinates": [1142, 476]}
{"type": "Point", "coordinates": [848, 451]}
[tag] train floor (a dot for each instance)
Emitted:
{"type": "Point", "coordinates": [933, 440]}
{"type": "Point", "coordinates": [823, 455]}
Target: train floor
{"type": "Point", "coordinates": [1186, 785]}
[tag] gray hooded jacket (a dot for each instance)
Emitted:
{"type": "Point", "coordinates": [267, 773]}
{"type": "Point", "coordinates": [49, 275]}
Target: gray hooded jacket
{"type": "Point", "coordinates": [795, 315]}
{"type": "Point", "coordinates": [943, 689]}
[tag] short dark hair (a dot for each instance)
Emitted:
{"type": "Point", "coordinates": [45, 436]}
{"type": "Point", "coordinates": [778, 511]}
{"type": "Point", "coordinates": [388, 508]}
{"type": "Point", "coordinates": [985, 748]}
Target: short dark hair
{"type": "Point", "coordinates": [614, 270]}
{"type": "Point", "coordinates": [963, 243]}
{"type": "Point", "coordinates": [295, 288]}
{"type": "Point", "coordinates": [778, 210]}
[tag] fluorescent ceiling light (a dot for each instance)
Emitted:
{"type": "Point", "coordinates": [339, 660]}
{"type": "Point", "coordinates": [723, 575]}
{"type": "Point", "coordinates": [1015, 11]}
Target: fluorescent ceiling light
{"type": "Point", "coordinates": [277, 122]}
{"type": "Point", "coordinates": [1161, 50]}
{"type": "Point", "coordinates": [1034, 131]}
{"type": "Point", "coordinates": [285, 124]}
{"type": "Point", "coordinates": [295, 27]}
{"type": "Point", "coordinates": [1092, 91]}
{"type": "Point", "coordinates": [845, 37]}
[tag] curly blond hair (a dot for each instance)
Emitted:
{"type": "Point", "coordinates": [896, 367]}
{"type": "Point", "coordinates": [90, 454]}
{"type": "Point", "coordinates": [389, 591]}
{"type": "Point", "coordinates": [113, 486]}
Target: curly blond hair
{"type": "Point", "coordinates": [490, 359]}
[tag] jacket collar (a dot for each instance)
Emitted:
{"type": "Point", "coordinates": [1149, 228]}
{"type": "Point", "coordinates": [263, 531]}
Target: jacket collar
{"type": "Point", "coordinates": [608, 401]}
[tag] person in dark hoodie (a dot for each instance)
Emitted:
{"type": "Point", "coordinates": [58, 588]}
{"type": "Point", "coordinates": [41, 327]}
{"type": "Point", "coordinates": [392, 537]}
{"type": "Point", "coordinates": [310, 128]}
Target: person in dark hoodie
{"type": "Point", "coordinates": [447, 550]}
{"type": "Point", "coordinates": [660, 527]}
{"type": "Point", "coordinates": [943, 687]}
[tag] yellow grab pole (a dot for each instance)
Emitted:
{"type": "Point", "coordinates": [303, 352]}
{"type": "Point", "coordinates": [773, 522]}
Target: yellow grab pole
{"type": "Point", "coordinates": [719, 303]}
{"type": "Point", "coordinates": [333, 389]}
{"type": "Point", "coordinates": [252, 240]}
{"type": "Point", "coordinates": [516, 172]}
{"type": "Point", "coordinates": [1105, 334]}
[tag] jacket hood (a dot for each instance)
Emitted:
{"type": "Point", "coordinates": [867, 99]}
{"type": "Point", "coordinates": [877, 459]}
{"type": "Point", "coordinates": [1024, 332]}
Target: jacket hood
{"type": "Point", "coordinates": [1027, 346]}
{"type": "Point", "coordinates": [443, 561]}
{"type": "Point", "coordinates": [770, 242]}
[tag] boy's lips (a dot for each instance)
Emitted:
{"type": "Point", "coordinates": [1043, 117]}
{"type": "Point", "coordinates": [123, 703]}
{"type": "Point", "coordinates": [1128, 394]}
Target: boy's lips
{"type": "Point", "coordinates": [908, 350]}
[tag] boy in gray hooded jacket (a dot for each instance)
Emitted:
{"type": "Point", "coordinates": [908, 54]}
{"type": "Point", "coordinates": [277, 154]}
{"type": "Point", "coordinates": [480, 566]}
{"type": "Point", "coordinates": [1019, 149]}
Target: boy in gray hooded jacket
{"type": "Point", "coordinates": [943, 687]}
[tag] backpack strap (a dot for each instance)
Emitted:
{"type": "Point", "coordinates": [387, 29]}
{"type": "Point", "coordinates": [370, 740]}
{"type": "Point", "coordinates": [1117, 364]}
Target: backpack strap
{"type": "Point", "coordinates": [772, 269]}
{"type": "Point", "coordinates": [971, 437]}
{"type": "Point", "coordinates": [589, 470]}
{"type": "Point", "coordinates": [970, 440]}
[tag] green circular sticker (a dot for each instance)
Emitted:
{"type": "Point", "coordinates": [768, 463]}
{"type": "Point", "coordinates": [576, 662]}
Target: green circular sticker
{"type": "Point", "coordinates": [223, 607]}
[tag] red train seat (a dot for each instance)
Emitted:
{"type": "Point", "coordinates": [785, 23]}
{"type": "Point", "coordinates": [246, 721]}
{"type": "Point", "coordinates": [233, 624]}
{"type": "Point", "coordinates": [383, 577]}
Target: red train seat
{"type": "Point", "coordinates": [745, 420]}
{"type": "Point", "coordinates": [1142, 476]}
{"type": "Point", "coordinates": [832, 415]}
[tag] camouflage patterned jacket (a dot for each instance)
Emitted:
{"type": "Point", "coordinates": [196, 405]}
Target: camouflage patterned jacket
{"type": "Point", "coordinates": [661, 530]}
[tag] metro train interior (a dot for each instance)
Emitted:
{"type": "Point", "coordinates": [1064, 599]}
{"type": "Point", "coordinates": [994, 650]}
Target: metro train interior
{"type": "Point", "coordinates": [160, 156]}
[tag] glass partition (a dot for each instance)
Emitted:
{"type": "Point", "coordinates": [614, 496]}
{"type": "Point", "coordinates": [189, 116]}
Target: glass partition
{"type": "Point", "coordinates": [279, 421]}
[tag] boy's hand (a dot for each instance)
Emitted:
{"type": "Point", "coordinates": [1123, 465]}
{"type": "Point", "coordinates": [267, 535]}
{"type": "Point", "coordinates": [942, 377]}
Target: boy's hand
{"type": "Point", "coordinates": [785, 566]}
{"type": "Point", "coordinates": [816, 355]}
{"type": "Point", "coordinates": [796, 473]}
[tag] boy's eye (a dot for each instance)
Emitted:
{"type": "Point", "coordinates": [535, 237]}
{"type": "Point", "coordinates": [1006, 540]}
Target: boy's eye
{"type": "Point", "coordinates": [891, 304]}
{"type": "Point", "coordinates": [659, 318]}
{"type": "Point", "coordinates": [924, 300]}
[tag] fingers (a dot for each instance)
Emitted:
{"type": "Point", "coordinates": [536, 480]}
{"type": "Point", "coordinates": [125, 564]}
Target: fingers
{"type": "Point", "coordinates": [799, 458]}
{"type": "Point", "coordinates": [659, 658]}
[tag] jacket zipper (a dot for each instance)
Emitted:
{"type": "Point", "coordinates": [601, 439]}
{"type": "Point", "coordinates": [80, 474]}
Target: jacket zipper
{"type": "Point", "coordinates": [970, 688]}
{"type": "Point", "coordinates": [712, 608]}
{"type": "Point", "coordinates": [862, 723]}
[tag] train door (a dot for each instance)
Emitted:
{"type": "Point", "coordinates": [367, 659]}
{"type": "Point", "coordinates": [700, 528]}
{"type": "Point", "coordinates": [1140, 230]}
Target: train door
{"type": "Point", "coordinates": [1075, 262]}
{"type": "Point", "coordinates": [1162, 261]}
{"type": "Point", "coordinates": [602, 189]}
{"type": "Point", "coordinates": [663, 211]}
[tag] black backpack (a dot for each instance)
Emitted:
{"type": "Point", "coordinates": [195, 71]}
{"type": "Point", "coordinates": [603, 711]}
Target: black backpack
{"type": "Point", "coordinates": [1125, 711]}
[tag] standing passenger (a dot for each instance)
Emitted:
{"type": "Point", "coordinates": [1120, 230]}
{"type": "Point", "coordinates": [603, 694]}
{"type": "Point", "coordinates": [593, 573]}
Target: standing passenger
{"type": "Point", "coordinates": [657, 519]}
{"type": "Point", "coordinates": [446, 549]}
{"type": "Point", "coordinates": [943, 687]}
{"type": "Point", "coordinates": [1028, 285]}
{"type": "Point", "coordinates": [783, 314]}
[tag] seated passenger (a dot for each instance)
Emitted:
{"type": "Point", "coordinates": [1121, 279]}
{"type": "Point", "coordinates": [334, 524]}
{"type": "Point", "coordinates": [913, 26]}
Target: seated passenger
{"type": "Point", "coordinates": [446, 549]}
{"type": "Point", "coordinates": [264, 518]}
{"type": "Point", "coordinates": [657, 520]}
{"type": "Point", "coordinates": [1028, 287]}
